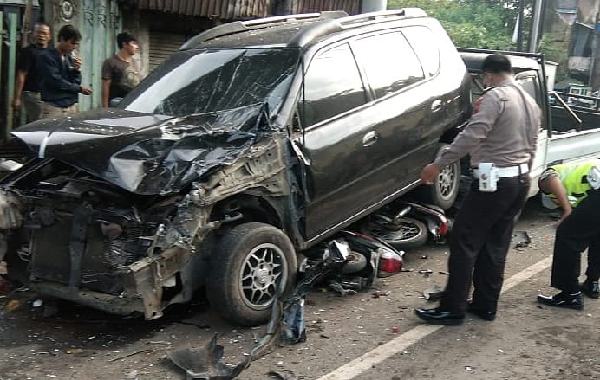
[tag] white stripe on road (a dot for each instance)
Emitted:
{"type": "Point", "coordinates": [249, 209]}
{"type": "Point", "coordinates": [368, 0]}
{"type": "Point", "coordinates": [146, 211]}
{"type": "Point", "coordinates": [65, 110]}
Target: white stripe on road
{"type": "Point", "coordinates": [401, 343]}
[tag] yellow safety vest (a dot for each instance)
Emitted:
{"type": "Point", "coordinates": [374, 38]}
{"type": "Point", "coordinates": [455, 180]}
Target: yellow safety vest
{"type": "Point", "coordinates": [574, 178]}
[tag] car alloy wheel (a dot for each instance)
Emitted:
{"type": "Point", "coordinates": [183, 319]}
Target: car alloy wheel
{"type": "Point", "coordinates": [447, 182]}
{"type": "Point", "coordinates": [261, 274]}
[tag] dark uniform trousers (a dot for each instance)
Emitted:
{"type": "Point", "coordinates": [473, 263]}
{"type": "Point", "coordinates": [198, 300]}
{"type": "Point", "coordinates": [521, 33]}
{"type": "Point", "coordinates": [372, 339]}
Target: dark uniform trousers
{"type": "Point", "coordinates": [479, 243]}
{"type": "Point", "coordinates": [578, 231]}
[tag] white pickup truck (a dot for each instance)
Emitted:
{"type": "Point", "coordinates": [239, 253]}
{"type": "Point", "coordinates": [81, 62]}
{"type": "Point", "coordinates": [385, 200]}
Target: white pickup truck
{"type": "Point", "coordinates": [566, 134]}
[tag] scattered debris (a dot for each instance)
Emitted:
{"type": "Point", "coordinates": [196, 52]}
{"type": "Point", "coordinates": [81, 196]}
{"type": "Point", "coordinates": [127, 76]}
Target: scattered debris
{"type": "Point", "coordinates": [294, 328]}
{"type": "Point", "coordinates": [426, 272]}
{"type": "Point", "coordinates": [395, 329]}
{"type": "Point", "coordinates": [282, 375]}
{"type": "Point", "coordinates": [130, 354]}
{"type": "Point", "coordinates": [339, 289]}
{"type": "Point", "coordinates": [205, 362]}
{"type": "Point", "coordinates": [424, 257]}
{"type": "Point", "coordinates": [434, 293]}
{"type": "Point", "coordinates": [521, 239]}
{"type": "Point", "coordinates": [380, 293]}
{"type": "Point", "coordinates": [37, 303]}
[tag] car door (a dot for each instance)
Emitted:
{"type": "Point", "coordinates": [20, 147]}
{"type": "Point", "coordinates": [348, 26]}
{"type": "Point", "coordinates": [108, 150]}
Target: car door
{"type": "Point", "coordinates": [338, 142]}
{"type": "Point", "coordinates": [531, 83]}
{"type": "Point", "coordinates": [400, 113]}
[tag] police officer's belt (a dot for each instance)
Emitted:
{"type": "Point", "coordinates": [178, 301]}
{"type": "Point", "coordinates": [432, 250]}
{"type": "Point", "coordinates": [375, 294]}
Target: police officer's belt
{"type": "Point", "coordinates": [509, 171]}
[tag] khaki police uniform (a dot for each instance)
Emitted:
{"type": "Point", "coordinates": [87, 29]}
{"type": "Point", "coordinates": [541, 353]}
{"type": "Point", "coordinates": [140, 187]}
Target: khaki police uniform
{"type": "Point", "coordinates": [503, 131]}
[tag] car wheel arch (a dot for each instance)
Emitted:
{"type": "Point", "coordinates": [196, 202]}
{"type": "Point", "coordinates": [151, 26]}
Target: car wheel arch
{"type": "Point", "coordinates": [248, 208]}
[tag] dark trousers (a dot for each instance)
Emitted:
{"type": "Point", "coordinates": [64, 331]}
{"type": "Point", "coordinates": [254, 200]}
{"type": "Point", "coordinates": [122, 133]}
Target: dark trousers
{"type": "Point", "coordinates": [479, 243]}
{"type": "Point", "coordinates": [578, 231]}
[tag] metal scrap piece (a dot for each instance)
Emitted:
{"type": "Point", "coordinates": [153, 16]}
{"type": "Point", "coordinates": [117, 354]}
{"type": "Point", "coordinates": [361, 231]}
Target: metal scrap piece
{"type": "Point", "coordinates": [205, 362]}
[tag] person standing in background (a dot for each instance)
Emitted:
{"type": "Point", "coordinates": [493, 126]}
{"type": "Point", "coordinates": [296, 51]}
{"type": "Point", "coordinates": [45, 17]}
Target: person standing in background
{"type": "Point", "coordinates": [28, 81]}
{"type": "Point", "coordinates": [120, 74]}
{"type": "Point", "coordinates": [61, 75]}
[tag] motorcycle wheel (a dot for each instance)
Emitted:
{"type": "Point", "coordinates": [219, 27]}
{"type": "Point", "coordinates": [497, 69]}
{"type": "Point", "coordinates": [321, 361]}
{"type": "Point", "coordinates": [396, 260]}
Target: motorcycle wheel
{"type": "Point", "coordinates": [403, 233]}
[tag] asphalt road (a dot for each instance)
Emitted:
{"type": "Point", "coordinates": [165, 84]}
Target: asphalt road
{"type": "Point", "coordinates": [362, 336]}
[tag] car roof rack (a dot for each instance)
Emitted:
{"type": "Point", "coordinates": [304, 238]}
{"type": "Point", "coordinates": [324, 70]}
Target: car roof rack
{"type": "Point", "coordinates": [243, 26]}
{"type": "Point", "coordinates": [326, 27]}
{"type": "Point", "coordinates": [379, 15]}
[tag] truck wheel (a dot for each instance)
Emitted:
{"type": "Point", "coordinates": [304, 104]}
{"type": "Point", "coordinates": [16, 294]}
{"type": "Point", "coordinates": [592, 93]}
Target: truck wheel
{"type": "Point", "coordinates": [248, 266]}
{"type": "Point", "coordinates": [445, 188]}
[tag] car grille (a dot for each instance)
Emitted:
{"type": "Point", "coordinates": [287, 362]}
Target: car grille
{"type": "Point", "coordinates": [101, 261]}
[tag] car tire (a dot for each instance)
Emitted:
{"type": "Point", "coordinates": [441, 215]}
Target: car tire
{"type": "Point", "coordinates": [248, 265]}
{"type": "Point", "coordinates": [445, 188]}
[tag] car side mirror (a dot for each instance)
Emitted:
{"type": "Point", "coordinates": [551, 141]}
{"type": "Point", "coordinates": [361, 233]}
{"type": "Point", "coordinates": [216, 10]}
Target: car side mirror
{"type": "Point", "coordinates": [114, 102]}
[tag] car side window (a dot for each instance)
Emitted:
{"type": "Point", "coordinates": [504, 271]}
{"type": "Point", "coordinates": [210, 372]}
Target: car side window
{"type": "Point", "coordinates": [332, 86]}
{"type": "Point", "coordinates": [425, 44]}
{"type": "Point", "coordinates": [389, 62]}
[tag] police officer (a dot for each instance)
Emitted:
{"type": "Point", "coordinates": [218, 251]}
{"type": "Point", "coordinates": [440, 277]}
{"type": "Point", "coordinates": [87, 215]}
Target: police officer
{"type": "Point", "coordinates": [501, 140]}
{"type": "Point", "coordinates": [576, 188]}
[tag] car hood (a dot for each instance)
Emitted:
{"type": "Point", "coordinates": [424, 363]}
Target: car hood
{"type": "Point", "coordinates": [146, 154]}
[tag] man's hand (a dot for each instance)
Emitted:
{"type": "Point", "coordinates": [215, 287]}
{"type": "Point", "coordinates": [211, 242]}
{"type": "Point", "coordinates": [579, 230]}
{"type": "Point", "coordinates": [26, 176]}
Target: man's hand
{"type": "Point", "coordinates": [429, 173]}
{"type": "Point", "coordinates": [16, 103]}
{"type": "Point", "coordinates": [565, 215]}
{"type": "Point", "coordinates": [77, 63]}
{"type": "Point", "coordinates": [86, 91]}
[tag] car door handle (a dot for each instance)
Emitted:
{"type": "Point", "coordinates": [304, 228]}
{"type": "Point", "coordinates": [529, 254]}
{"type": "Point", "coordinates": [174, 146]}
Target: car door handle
{"type": "Point", "coordinates": [436, 105]}
{"type": "Point", "coordinates": [369, 138]}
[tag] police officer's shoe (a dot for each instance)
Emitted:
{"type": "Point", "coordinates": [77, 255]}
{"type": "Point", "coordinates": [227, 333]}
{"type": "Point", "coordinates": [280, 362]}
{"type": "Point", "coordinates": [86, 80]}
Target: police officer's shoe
{"type": "Point", "coordinates": [563, 299]}
{"type": "Point", "coordinates": [440, 317]}
{"type": "Point", "coordinates": [591, 289]}
{"type": "Point", "coordinates": [488, 315]}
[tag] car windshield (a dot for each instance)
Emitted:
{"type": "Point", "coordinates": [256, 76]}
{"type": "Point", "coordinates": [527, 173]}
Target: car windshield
{"type": "Point", "coordinates": [213, 80]}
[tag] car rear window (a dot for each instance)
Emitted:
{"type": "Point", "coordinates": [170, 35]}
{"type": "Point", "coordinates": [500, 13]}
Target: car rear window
{"type": "Point", "coordinates": [389, 62]}
{"type": "Point", "coordinates": [332, 86]}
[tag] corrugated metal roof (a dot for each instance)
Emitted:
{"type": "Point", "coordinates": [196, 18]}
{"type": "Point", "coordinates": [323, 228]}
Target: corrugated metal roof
{"type": "Point", "coordinates": [243, 9]}
{"type": "Point", "coordinates": [223, 9]}
{"type": "Point", "coordinates": [352, 7]}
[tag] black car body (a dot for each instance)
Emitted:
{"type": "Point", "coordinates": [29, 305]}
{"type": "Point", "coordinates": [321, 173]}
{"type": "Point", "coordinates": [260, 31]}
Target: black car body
{"type": "Point", "coordinates": [254, 141]}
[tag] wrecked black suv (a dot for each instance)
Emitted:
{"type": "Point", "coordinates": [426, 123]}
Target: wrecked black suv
{"type": "Point", "coordinates": [253, 142]}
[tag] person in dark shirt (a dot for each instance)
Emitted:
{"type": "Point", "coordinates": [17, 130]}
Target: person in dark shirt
{"type": "Point", "coordinates": [28, 81]}
{"type": "Point", "coordinates": [61, 82]}
{"type": "Point", "coordinates": [120, 74]}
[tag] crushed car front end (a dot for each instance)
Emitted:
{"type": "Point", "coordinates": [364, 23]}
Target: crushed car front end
{"type": "Point", "coordinates": [73, 236]}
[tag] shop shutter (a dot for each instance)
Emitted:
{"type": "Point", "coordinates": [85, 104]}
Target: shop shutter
{"type": "Point", "coordinates": [162, 45]}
